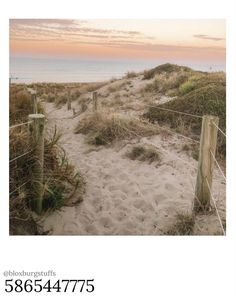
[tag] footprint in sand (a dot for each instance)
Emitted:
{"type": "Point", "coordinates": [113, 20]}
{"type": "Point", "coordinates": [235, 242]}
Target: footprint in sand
{"type": "Point", "coordinates": [106, 222]}
{"type": "Point", "coordinates": [91, 229]}
{"type": "Point", "coordinates": [141, 218]}
{"type": "Point", "coordinates": [71, 228]}
{"type": "Point", "coordinates": [169, 186]}
{"type": "Point", "coordinates": [142, 205]}
{"type": "Point", "coordinates": [117, 202]}
{"type": "Point", "coordinates": [121, 216]}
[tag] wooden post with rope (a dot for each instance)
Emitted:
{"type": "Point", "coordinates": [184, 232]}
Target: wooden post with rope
{"type": "Point", "coordinates": [33, 100]}
{"type": "Point", "coordinates": [36, 140]}
{"type": "Point", "coordinates": [95, 101]}
{"type": "Point", "coordinates": [206, 163]}
{"type": "Point", "coordinates": [69, 101]}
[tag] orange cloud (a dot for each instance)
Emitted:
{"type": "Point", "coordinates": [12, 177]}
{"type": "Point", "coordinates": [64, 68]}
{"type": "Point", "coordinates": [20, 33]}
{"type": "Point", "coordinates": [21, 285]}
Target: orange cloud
{"type": "Point", "coordinates": [80, 38]}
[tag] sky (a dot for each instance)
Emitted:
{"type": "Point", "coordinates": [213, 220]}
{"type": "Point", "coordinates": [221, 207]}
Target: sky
{"type": "Point", "coordinates": [196, 40]}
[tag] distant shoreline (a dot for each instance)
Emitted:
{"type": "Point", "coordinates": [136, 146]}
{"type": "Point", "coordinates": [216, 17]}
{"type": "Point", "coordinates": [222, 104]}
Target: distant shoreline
{"type": "Point", "coordinates": [33, 70]}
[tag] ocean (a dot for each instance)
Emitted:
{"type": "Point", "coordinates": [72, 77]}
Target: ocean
{"type": "Point", "coordinates": [31, 69]}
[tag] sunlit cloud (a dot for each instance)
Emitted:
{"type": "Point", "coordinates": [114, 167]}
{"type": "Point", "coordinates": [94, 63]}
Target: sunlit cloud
{"type": "Point", "coordinates": [117, 38]}
{"type": "Point", "coordinates": [207, 37]}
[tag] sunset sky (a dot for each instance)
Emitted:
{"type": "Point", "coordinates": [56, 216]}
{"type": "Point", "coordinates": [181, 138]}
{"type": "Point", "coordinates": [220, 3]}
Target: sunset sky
{"type": "Point", "coordinates": [196, 40]}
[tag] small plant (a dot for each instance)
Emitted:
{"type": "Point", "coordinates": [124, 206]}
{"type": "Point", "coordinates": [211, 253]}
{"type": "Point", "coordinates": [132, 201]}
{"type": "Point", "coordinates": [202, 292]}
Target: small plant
{"type": "Point", "coordinates": [184, 225]}
{"type": "Point", "coordinates": [164, 82]}
{"type": "Point", "coordinates": [103, 128]}
{"type": "Point", "coordinates": [165, 69]}
{"type": "Point", "coordinates": [131, 74]}
{"type": "Point", "coordinates": [62, 184]}
{"type": "Point", "coordinates": [186, 87]}
{"type": "Point", "coordinates": [208, 97]}
{"type": "Point", "coordinates": [143, 153]}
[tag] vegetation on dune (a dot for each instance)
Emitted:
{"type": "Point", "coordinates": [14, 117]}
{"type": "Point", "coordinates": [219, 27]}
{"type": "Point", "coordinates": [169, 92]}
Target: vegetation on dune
{"type": "Point", "coordinates": [165, 69]}
{"type": "Point", "coordinates": [167, 82]}
{"type": "Point", "coordinates": [62, 185]}
{"type": "Point", "coordinates": [184, 225]}
{"type": "Point", "coordinates": [202, 94]}
{"type": "Point", "coordinates": [131, 74]}
{"type": "Point", "coordinates": [144, 153]}
{"type": "Point", "coordinates": [103, 128]}
{"type": "Point", "coordinates": [20, 104]}
{"type": "Point", "coordinates": [59, 93]}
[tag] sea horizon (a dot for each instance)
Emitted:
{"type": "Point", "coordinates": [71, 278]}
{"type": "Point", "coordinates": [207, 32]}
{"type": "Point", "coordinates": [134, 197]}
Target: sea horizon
{"type": "Point", "coordinates": [68, 70]}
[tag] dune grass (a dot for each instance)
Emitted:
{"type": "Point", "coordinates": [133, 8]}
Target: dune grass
{"type": "Point", "coordinates": [103, 128]}
{"type": "Point", "coordinates": [62, 185]}
{"type": "Point", "coordinates": [165, 69]}
{"type": "Point", "coordinates": [144, 153]}
{"type": "Point", "coordinates": [203, 95]}
{"type": "Point", "coordinates": [184, 225]}
{"type": "Point", "coordinates": [167, 82]}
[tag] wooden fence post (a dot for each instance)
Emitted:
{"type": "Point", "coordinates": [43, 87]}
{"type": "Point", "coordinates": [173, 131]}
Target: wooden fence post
{"type": "Point", "coordinates": [69, 101]}
{"type": "Point", "coordinates": [35, 105]}
{"type": "Point", "coordinates": [206, 163]}
{"type": "Point", "coordinates": [34, 100]}
{"type": "Point", "coordinates": [36, 140]}
{"type": "Point", "coordinates": [95, 101]}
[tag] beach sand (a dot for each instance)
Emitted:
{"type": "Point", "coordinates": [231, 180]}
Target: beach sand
{"type": "Point", "coordinates": [124, 196]}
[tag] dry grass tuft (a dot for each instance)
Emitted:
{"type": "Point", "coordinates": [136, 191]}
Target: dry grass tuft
{"type": "Point", "coordinates": [61, 183]}
{"type": "Point", "coordinates": [166, 69]}
{"type": "Point", "coordinates": [166, 82]}
{"type": "Point", "coordinates": [131, 74]}
{"type": "Point", "coordinates": [184, 225]}
{"type": "Point", "coordinates": [103, 128]}
{"type": "Point", "coordinates": [207, 97]}
{"type": "Point", "coordinates": [144, 153]}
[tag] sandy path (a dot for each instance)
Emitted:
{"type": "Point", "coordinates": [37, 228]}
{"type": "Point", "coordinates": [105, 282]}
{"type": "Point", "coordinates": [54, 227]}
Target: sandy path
{"type": "Point", "coordinates": [123, 196]}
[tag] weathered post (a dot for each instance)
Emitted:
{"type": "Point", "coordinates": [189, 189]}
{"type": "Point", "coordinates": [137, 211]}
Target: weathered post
{"type": "Point", "coordinates": [95, 101]}
{"type": "Point", "coordinates": [206, 163]}
{"type": "Point", "coordinates": [33, 100]}
{"type": "Point", "coordinates": [69, 101]}
{"type": "Point", "coordinates": [35, 105]}
{"type": "Point", "coordinates": [36, 140]}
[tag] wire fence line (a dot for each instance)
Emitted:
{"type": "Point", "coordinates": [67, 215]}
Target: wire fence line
{"type": "Point", "coordinates": [221, 171]}
{"type": "Point", "coordinates": [216, 208]}
{"type": "Point", "coordinates": [219, 129]}
{"type": "Point", "coordinates": [12, 127]}
{"type": "Point", "coordinates": [174, 111]}
{"type": "Point", "coordinates": [19, 187]}
{"type": "Point", "coordinates": [20, 124]}
{"type": "Point", "coordinates": [173, 156]}
{"type": "Point", "coordinates": [19, 156]}
{"type": "Point", "coordinates": [178, 134]}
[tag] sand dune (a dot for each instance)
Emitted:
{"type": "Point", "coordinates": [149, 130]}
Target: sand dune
{"type": "Point", "coordinates": [124, 196]}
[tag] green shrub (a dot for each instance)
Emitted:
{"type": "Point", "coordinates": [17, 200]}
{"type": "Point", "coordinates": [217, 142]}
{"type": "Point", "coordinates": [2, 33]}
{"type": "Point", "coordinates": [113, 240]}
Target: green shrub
{"type": "Point", "coordinates": [207, 98]}
{"type": "Point", "coordinates": [163, 83]}
{"type": "Point", "coordinates": [186, 87]}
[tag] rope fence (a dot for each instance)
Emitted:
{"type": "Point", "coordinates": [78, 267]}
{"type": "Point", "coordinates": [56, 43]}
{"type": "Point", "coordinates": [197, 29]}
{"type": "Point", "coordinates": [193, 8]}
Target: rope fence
{"type": "Point", "coordinates": [35, 125]}
{"type": "Point", "coordinates": [208, 141]}
{"type": "Point", "coordinates": [178, 134]}
{"type": "Point", "coordinates": [20, 124]}
{"type": "Point", "coordinates": [220, 130]}
{"type": "Point", "coordinates": [216, 208]}
{"type": "Point", "coordinates": [174, 111]}
{"type": "Point", "coordinates": [220, 169]}
{"type": "Point", "coordinates": [207, 148]}
{"type": "Point", "coordinates": [20, 156]}
{"type": "Point", "coordinates": [19, 187]}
